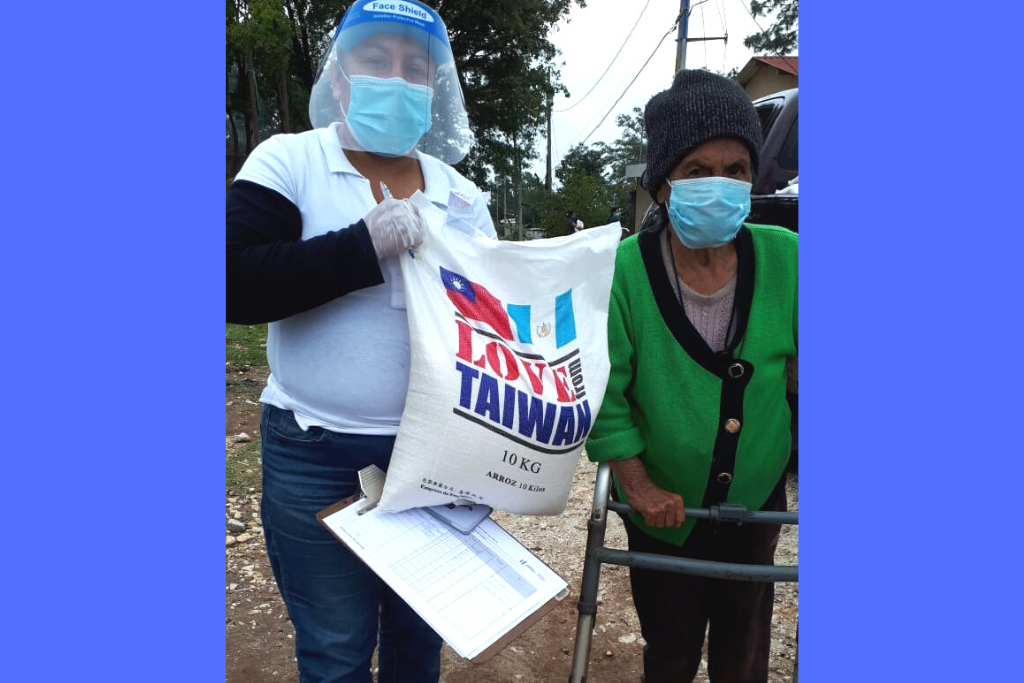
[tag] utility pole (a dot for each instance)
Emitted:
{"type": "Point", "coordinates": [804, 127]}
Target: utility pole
{"type": "Point", "coordinates": [519, 191]}
{"type": "Point", "coordinates": [547, 176]}
{"type": "Point", "coordinates": [497, 203]}
{"type": "Point", "coordinates": [684, 19]}
{"type": "Point", "coordinates": [683, 38]}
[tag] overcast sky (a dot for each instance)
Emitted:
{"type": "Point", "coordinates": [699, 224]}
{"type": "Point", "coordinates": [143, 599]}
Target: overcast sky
{"type": "Point", "coordinates": [590, 38]}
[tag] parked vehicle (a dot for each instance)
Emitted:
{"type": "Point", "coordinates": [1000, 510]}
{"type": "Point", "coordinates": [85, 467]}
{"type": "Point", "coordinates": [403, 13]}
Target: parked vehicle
{"type": "Point", "coordinates": [779, 167]}
{"type": "Point", "coordinates": [779, 161]}
{"type": "Point", "coordinates": [778, 114]}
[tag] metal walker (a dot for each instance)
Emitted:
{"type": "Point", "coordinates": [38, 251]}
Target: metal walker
{"type": "Point", "coordinates": [597, 554]}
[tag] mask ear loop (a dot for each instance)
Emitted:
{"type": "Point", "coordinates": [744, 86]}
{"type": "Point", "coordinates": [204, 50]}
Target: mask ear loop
{"type": "Point", "coordinates": [345, 133]}
{"type": "Point", "coordinates": [344, 75]}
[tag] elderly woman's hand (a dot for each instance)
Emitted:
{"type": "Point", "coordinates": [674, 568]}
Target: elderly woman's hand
{"type": "Point", "coordinates": [660, 508]}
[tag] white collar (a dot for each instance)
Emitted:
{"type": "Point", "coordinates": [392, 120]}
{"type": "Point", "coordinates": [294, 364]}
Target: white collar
{"type": "Point", "coordinates": [434, 180]}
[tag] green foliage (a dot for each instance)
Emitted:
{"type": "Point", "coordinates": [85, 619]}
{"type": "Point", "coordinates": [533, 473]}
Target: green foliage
{"type": "Point", "coordinates": [584, 187]}
{"type": "Point", "coordinates": [506, 62]}
{"type": "Point", "coordinates": [505, 199]}
{"type": "Point", "coordinates": [590, 196]}
{"type": "Point", "coordinates": [501, 50]}
{"type": "Point", "coordinates": [580, 161]}
{"type": "Point", "coordinates": [593, 179]}
{"type": "Point", "coordinates": [534, 196]}
{"type": "Point", "coordinates": [285, 39]}
{"type": "Point", "coordinates": [781, 37]}
{"type": "Point", "coordinates": [629, 149]}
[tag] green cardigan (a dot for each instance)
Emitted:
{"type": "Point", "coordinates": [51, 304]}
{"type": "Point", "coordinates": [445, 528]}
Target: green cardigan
{"type": "Point", "coordinates": [675, 403]}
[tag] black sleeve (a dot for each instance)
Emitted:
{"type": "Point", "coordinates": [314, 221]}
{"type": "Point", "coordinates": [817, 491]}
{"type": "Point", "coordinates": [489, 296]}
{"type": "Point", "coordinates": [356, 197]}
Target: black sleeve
{"type": "Point", "coordinates": [272, 273]}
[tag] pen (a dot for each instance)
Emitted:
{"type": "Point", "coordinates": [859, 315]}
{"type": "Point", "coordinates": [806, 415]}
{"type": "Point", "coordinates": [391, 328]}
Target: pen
{"type": "Point", "coordinates": [387, 194]}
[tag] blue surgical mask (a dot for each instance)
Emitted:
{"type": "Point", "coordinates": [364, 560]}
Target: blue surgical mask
{"type": "Point", "coordinates": [388, 116]}
{"type": "Point", "coordinates": [708, 212]}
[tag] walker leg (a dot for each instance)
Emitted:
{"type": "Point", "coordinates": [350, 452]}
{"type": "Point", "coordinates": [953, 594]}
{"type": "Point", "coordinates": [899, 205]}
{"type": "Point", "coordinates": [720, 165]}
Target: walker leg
{"type": "Point", "coordinates": [796, 652]}
{"type": "Point", "coordinates": [587, 605]}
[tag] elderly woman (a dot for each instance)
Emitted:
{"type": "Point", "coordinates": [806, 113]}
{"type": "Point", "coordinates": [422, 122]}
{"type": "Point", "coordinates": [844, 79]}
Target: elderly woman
{"type": "Point", "coordinates": [702, 323]}
{"type": "Point", "coordinates": [316, 223]}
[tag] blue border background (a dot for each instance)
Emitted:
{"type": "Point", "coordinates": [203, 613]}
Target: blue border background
{"type": "Point", "coordinates": [113, 342]}
{"type": "Point", "coordinates": [910, 245]}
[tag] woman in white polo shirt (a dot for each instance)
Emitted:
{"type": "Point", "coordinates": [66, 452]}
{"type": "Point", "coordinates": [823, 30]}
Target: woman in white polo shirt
{"type": "Point", "coordinates": [316, 223]}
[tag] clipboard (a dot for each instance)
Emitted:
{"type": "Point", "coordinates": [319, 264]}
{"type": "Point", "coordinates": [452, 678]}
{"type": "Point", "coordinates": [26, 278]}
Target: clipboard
{"type": "Point", "coordinates": [507, 635]}
{"type": "Point", "coordinates": [520, 629]}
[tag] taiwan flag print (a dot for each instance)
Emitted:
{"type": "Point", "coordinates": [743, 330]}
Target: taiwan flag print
{"type": "Point", "coordinates": [476, 303]}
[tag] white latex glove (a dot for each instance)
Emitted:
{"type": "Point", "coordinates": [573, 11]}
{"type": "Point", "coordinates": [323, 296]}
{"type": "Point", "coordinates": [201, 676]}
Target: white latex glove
{"type": "Point", "coordinates": [395, 225]}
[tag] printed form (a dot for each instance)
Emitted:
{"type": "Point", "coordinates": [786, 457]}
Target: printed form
{"type": "Point", "coordinates": [471, 588]}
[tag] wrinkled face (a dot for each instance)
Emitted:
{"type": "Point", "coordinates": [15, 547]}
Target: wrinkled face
{"type": "Point", "coordinates": [724, 157]}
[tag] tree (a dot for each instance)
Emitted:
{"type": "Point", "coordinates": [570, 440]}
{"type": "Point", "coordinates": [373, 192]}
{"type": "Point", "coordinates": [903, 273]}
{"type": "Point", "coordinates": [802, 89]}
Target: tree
{"type": "Point", "coordinates": [262, 53]}
{"type": "Point", "coordinates": [580, 161]}
{"type": "Point", "coordinates": [510, 203]}
{"type": "Point", "coordinates": [781, 37]}
{"type": "Point", "coordinates": [629, 149]}
{"type": "Point", "coordinates": [505, 60]}
{"type": "Point", "coordinates": [593, 179]}
{"type": "Point", "coordinates": [584, 188]}
{"type": "Point", "coordinates": [501, 50]}
{"type": "Point", "coordinates": [534, 198]}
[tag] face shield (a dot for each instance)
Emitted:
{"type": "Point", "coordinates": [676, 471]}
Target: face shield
{"type": "Point", "coordinates": [389, 79]}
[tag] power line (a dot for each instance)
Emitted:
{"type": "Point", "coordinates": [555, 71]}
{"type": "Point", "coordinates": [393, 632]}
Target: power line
{"type": "Point", "coordinates": [720, 17]}
{"type": "Point", "coordinates": [634, 80]}
{"type": "Point", "coordinates": [704, 29]}
{"type": "Point", "coordinates": [725, 32]}
{"type": "Point", "coordinates": [559, 111]}
{"type": "Point", "coordinates": [597, 111]}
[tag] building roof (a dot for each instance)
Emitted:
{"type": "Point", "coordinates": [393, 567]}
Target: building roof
{"type": "Point", "coordinates": [787, 63]}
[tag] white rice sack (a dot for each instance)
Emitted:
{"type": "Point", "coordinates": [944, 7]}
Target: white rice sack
{"type": "Point", "coordinates": [509, 366]}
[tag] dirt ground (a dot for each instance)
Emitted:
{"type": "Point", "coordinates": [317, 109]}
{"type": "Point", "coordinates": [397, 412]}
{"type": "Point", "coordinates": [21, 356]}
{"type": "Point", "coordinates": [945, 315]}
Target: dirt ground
{"type": "Point", "coordinates": [260, 640]}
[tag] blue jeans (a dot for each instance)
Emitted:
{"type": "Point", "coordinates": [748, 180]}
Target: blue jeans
{"type": "Point", "coordinates": [336, 604]}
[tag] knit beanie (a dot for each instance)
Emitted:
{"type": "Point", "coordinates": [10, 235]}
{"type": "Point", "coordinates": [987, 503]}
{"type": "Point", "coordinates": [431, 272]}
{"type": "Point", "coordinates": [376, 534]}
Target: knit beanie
{"type": "Point", "coordinates": [700, 106]}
